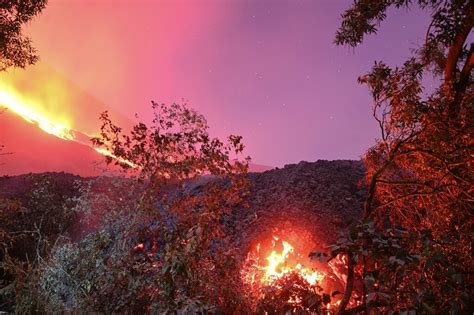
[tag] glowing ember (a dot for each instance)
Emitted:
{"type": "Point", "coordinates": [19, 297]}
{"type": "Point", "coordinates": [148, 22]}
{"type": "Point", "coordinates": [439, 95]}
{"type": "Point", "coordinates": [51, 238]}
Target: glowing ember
{"type": "Point", "coordinates": [139, 246]}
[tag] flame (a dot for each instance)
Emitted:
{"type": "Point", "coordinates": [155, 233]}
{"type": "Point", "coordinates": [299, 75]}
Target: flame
{"type": "Point", "coordinates": [40, 98]}
{"type": "Point", "coordinates": [43, 97]}
{"type": "Point", "coordinates": [267, 263]}
{"type": "Point", "coordinates": [26, 110]}
{"type": "Point", "coordinates": [121, 160]}
{"type": "Point", "coordinates": [33, 112]}
{"type": "Point", "coordinates": [279, 264]}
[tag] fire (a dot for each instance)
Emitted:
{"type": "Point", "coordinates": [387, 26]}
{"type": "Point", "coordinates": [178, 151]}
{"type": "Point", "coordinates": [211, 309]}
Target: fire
{"type": "Point", "coordinates": [43, 97]}
{"type": "Point", "coordinates": [26, 110]}
{"type": "Point", "coordinates": [107, 153]}
{"type": "Point", "coordinates": [279, 264]}
{"type": "Point", "coordinates": [40, 98]}
{"type": "Point", "coordinates": [272, 262]}
{"type": "Point", "coordinates": [267, 265]}
{"type": "Point", "coordinates": [30, 112]}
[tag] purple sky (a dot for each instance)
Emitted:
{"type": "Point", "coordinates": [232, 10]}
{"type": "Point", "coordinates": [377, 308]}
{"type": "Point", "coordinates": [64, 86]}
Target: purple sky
{"type": "Point", "coordinates": [267, 70]}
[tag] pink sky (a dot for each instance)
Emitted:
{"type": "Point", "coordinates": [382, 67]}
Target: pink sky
{"type": "Point", "coordinates": [266, 70]}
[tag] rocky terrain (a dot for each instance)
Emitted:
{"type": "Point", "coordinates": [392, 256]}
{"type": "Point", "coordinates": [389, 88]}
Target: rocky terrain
{"type": "Point", "coordinates": [307, 200]}
{"type": "Point", "coordinates": [304, 200]}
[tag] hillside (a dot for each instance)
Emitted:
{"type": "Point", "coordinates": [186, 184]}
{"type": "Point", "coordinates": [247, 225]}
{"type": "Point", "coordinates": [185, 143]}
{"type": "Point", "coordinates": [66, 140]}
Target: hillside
{"type": "Point", "coordinates": [318, 197]}
{"type": "Point", "coordinates": [34, 150]}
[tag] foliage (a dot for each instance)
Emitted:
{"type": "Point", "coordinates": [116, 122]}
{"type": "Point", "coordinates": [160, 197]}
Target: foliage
{"type": "Point", "coordinates": [154, 241]}
{"type": "Point", "coordinates": [176, 146]}
{"type": "Point", "coordinates": [93, 275]}
{"type": "Point", "coordinates": [292, 294]}
{"type": "Point", "coordinates": [15, 48]}
{"type": "Point", "coordinates": [166, 251]}
{"type": "Point", "coordinates": [101, 201]}
{"type": "Point", "coordinates": [28, 230]}
{"type": "Point", "coordinates": [420, 172]}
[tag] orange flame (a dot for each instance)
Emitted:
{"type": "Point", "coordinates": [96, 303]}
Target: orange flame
{"type": "Point", "coordinates": [107, 153]}
{"type": "Point", "coordinates": [264, 266]}
{"type": "Point", "coordinates": [27, 111]}
{"type": "Point", "coordinates": [279, 264]}
{"type": "Point", "coordinates": [280, 261]}
{"type": "Point", "coordinates": [34, 113]}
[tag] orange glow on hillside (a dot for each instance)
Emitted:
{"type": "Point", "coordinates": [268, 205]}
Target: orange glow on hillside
{"type": "Point", "coordinates": [30, 112]}
{"type": "Point", "coordinates": [39, 97]}
{"type": "Point", "coordinates": [107, 153]}
{"type": "Point", "coordinates": [42, 97]}
{"type": "Point", "coordinates": [38, 93]}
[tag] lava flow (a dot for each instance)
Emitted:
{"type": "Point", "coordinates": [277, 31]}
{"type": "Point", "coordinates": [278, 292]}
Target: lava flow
{"type": "Point", "coordinates": [52, 124]}
{"type": "Point", "coordinates": [25, 110]}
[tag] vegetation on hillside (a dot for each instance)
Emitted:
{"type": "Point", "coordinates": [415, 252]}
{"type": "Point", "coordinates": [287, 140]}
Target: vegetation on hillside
{"type": "Point", "coordinates": [162, 247]}
{"type": "Point", "coordinates": [413, 247]}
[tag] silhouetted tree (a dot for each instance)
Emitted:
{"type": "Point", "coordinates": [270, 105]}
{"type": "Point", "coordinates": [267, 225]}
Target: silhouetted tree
{"type": "Point", "coordinates": [15, 48]}
{"type": "Point", "coordinates": [168, 253]}
{"type": "Point", "coordinates": [414, 246]}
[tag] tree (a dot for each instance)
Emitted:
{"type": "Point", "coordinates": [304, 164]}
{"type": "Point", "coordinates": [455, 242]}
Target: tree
{"type": "Point", "coordinates": [420, 176]}
{"type": "Point", "coordinates": [15, 48]}
{"type": "Point", "coordinates": [168, 252]}
{"type": "Point", "coordinates": [29, 228]}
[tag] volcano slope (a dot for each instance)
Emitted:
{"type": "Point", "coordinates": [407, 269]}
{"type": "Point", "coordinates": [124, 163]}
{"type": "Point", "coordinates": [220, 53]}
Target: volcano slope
{"type": "Point", "coordinates": [315, 199]}
{"type": "Point", "coordinates": [305, 204]}
{"type": "Point", "coordinates": [311, 200]}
